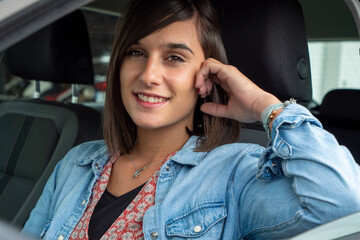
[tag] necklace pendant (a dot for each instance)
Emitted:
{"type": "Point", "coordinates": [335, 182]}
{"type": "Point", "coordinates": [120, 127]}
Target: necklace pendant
{"type": "Point", "coordinates": [137, 173]}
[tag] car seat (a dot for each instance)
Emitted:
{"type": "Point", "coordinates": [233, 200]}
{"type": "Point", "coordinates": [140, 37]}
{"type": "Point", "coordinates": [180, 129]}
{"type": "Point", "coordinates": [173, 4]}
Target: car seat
{"type": "Point", "coordinates": [266, 40]}
{"type": "Point", "coordinates": [340, 116]}
{"type": "Point", "coordinates": [36, 134]}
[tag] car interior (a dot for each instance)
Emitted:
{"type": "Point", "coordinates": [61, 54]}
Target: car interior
{"type": "Point", "coordinates": [266, 40]}
{"type": "Point", "coordinates": [282, 69]}
{"type": "Point", "coordinates": [37, 133]}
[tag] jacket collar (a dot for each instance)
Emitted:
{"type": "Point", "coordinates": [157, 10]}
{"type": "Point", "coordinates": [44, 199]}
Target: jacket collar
{"type": "Point", "coordinates": [187, 156]}
{"type": "Point", "coordinates": [100, 152]}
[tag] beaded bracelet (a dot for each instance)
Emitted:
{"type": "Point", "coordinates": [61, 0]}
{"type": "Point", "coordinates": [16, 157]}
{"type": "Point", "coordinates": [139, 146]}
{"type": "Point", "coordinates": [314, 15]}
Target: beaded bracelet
{"type": "Point", "coordinates": [269, 113]}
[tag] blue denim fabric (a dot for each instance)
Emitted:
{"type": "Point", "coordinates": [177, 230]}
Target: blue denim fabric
{"type": "Point", "coordinates": [236, 191]}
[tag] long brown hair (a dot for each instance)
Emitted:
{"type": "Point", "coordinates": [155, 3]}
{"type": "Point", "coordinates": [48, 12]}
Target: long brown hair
{"type": "Point", "coordinates": [142, 18]}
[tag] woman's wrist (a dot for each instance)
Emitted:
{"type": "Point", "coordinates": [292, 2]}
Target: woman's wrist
{"type": "Point", "coordinates": [265, 104]}
{"type": "Point", "coordinates": [271, 112]}
{"type": "Point", "coordinates": [276, 114]}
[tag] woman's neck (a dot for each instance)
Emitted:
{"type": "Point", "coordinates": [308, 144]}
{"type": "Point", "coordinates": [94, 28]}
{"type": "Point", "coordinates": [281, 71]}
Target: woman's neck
{"type": "Point", "coordinates": [154, 145]}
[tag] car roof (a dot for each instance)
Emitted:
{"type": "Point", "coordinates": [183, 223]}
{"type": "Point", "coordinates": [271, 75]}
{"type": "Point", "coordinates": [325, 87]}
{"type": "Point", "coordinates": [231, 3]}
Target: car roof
{"type": "Point", "coordinates": [26, 17]}
{"type": "Point", "coordinates": [19, 19]}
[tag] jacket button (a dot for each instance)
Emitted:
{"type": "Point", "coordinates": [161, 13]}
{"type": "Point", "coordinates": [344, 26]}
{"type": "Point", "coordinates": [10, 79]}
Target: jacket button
{"type": "Point", "coordinates": [61, 237]}
{"type": "Point", "coordinates": [154, 235]}
{"type": "Point", "coordinates": [168, 167]}
{"type": "Point", "coordinates": [97, 167]}
{"type": "Point", "coordinates": [197, 229]}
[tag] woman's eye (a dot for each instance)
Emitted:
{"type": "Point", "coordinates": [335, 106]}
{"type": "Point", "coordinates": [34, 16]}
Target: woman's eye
{"type": "Point", "coordinates": [175, 58]}
{"type": "Point", "coordinates": [135, 53]}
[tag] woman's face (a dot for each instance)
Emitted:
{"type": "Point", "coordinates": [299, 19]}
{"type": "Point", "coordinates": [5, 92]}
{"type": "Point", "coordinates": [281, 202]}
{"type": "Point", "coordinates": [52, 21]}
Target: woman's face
{"type": "Point", "coordinates": [158, 77]}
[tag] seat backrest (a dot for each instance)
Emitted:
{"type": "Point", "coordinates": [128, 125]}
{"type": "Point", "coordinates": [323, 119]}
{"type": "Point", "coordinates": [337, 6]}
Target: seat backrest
{"type": "Point", "coordinates": [339, 115]}
{"type": "Point", "coordinates": [36, 134]}
{"type": "Point", "coordinates": [266, 40]}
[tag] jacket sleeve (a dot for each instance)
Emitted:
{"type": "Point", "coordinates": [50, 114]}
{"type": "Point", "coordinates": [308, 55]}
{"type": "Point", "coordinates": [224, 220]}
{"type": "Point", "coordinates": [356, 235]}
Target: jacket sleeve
{"type": "Point", "coordinates": [304, 178]}
{"type": "Point", "coordinates": [39, 219]}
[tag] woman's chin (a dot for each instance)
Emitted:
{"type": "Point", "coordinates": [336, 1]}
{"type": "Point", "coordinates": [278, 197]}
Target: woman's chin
{"type": "Point", "coordinates": [163, 122]}
{"type": "Point", "coordinates": [150, 125]}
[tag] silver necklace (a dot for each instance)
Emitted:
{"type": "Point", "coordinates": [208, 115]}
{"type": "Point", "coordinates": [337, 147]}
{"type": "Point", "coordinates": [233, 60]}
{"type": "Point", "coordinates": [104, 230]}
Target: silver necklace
{"type": "Point", "coordinates": [138, 171]}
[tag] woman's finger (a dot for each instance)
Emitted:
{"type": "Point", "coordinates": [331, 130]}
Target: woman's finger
{"type": "Point", "coordinates": [207, 75]}
{"type": "Point", "coordinates": [215, 109]}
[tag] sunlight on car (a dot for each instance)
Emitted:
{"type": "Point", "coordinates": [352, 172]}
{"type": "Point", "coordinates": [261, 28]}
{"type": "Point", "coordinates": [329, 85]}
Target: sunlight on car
{"type": "Point", "coordinates": [334, 65]}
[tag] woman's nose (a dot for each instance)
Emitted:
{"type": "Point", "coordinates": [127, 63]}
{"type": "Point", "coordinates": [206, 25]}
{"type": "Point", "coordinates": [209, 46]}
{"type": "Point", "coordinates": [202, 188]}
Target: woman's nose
{"type": "Point", "coordinates": [151, 74]}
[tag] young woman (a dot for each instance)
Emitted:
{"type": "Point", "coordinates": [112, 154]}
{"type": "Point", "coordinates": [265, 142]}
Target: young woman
{"type": "Point", "coordinates": [167, 169]}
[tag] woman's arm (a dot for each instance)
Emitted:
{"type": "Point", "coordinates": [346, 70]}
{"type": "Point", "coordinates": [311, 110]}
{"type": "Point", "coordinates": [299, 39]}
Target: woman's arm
{"type": "Point", "coordinates": [39, 216]}
{"type": "Point", "coordinates": [305, 178]}
{"type": "Point", "coordinates": [247, 100]}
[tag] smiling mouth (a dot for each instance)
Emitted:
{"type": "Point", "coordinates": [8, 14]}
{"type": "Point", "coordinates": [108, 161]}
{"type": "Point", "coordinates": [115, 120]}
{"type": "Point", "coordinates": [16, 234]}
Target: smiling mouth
{"type": "Point", "coordinates": [151, 99]}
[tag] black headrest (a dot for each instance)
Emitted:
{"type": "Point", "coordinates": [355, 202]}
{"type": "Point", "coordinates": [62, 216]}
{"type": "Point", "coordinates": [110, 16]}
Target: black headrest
{"type": "Point", "coordinates": [59, 52]}
{"type": "Point", "coordinates": [266, 40]}
{"type": "Point", "coordinates": [340, 107]}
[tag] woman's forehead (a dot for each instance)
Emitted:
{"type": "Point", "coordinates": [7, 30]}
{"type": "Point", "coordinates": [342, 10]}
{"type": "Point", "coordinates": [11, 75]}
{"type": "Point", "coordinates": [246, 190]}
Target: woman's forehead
{"type": "Point", "coordinates": [181, 34]}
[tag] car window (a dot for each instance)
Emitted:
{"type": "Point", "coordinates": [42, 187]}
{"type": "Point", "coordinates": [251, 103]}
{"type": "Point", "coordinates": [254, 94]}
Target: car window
{"type": "Point", "coordinates": [101, 27]}
{"type": "Point", "coordinates": [334, 65]}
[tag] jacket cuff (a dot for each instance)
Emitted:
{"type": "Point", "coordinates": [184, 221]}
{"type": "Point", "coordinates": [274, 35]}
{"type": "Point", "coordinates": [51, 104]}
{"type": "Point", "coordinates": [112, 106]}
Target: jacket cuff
{"type": "Point", "coordinates": [291, 118]}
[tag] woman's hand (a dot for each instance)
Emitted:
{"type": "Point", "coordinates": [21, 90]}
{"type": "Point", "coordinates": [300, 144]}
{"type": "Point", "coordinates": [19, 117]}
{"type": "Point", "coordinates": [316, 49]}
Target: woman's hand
{"type": "Point", "coordinates": [247, 100]}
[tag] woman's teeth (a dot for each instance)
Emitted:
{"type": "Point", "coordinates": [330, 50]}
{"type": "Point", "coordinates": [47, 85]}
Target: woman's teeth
{"type": "Point", "coordinates": [151, 99]}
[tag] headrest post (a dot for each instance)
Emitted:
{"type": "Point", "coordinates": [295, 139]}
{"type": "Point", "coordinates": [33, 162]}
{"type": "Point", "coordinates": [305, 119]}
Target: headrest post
{"type": "Point", "coordinates": [74, 93]}
{"type": "Point", "coordinates": [37, 89]}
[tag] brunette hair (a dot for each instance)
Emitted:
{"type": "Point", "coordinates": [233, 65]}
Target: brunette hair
{"type": "Point", "coordinates": [142, 18]}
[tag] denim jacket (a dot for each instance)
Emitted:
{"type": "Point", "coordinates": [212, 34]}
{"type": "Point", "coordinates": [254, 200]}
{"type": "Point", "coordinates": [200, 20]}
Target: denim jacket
{"type": "Point", "coordinates": [236, 191]}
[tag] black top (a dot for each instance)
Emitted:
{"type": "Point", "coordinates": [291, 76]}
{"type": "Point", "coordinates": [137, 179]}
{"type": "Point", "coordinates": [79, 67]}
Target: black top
{"type": "Point", "coordinates": [107, 210]}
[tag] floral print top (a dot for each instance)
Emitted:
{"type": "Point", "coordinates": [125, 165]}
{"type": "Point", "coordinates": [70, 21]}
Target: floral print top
{"type": "Point", "coordinates": [129, 225]}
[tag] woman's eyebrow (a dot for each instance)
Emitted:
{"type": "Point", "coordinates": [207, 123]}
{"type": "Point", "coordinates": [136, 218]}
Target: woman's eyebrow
{"type": "Point", "coordinates": [179, 45]}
